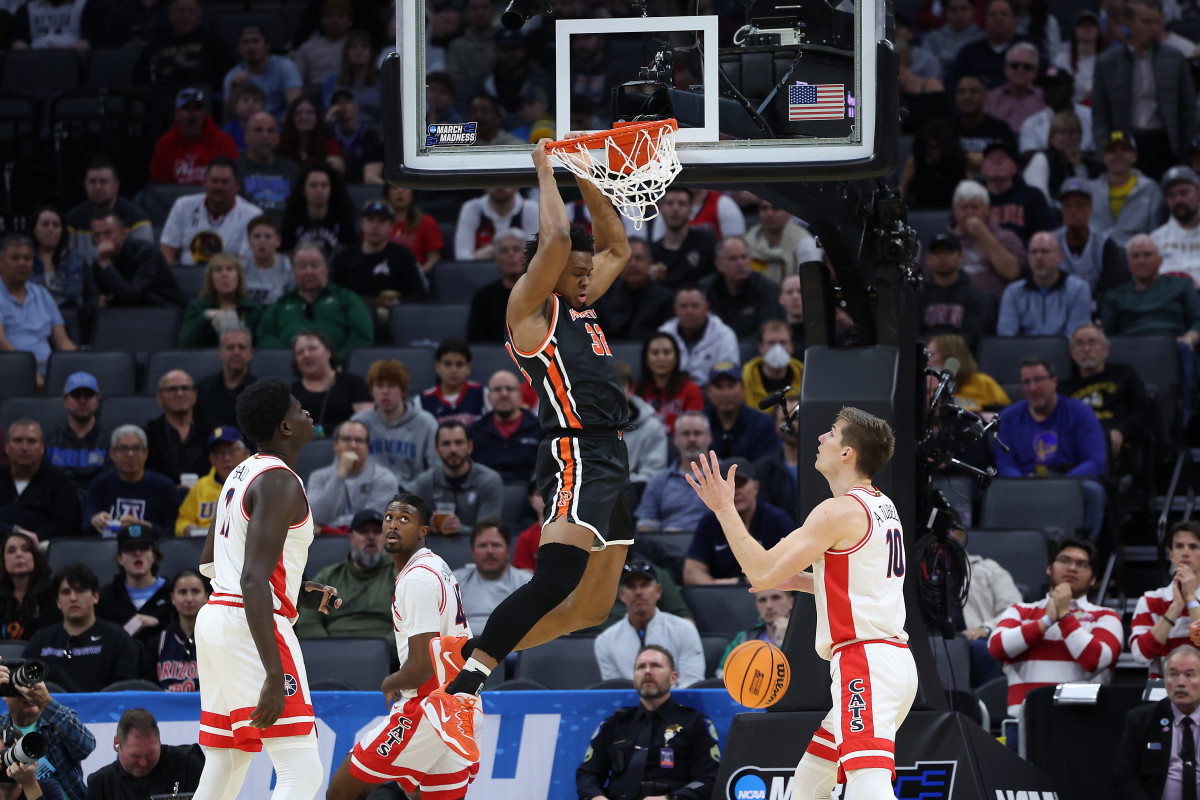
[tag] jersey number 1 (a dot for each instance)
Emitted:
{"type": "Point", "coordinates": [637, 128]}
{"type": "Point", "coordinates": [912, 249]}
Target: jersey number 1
{"type": "Point", "coordinates": [599, 343]}
{"type": "Point", "coordinates": [895, 554]}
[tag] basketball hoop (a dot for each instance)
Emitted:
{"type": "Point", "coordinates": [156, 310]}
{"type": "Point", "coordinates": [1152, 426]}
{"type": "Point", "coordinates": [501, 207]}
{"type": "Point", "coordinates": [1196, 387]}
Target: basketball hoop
{"type": "Point", "coordinates": [638, 163]}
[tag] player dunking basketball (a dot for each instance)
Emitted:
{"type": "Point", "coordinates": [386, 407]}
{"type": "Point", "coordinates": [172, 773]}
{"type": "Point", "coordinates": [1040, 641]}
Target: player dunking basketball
{"type": "Point", "coordinates": [582, 466]}
{"type": "Point", "coordinates": [426, 606]}
{"type": "Point", "coordinates": [253, 687]}
{"type": "Point", "coordinates": [855, 545]}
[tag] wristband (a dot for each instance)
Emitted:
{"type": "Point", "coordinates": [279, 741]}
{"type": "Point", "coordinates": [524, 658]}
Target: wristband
{"type": "Point", "coordinates": [1049, 622]}
{"type": "Point", "coordinates": [1192, 604]}
{"type": "Point", "coordinates": [1170, 621]}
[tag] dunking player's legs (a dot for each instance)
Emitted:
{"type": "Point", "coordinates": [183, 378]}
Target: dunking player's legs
{"type": "Point", "coordinates": [588, 605]}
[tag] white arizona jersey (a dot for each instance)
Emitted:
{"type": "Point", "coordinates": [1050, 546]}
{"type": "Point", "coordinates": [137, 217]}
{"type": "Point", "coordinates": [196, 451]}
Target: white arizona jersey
{"type": "Point", "coordinates": [426, 600]}
{"type": "Point", "coordinates": [229, 544]}
{"type": "Point", "coordinates": [860, 591]}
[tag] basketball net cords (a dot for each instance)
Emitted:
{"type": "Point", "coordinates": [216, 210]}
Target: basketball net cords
{"type": "Point", "coordinates": [634, 190]}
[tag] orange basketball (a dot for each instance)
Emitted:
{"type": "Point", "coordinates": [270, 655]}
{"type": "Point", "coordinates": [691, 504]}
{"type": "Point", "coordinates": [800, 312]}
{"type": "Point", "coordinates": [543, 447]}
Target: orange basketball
{"type": "Point", "coordinates": [757, 674]}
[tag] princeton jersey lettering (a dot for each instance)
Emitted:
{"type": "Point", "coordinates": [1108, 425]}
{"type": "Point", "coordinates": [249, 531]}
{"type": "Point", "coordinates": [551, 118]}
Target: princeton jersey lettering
{"type": "Point", "coordinates": [860, 591]}
{"type": "Point", "coordinates": [426, 600]}
{"type": "Point", "coordinates": [574, 373]}
{"type": "Point", "coordinates": [229, 547]}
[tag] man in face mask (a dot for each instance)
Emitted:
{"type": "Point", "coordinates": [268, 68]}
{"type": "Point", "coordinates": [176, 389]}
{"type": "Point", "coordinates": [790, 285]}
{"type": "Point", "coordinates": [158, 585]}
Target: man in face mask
{"type": "Point", "coordinates": [774, 368]}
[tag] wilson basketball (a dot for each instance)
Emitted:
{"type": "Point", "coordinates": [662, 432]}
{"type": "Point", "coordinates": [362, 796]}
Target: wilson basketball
{"type": "Point", "coordinates": [757, 674]}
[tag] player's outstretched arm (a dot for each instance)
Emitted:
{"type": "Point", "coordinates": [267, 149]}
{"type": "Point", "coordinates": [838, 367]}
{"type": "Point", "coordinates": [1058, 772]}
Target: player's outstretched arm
{"type": "Point", "coordinates": [554, 245]}
{"type": "Point", "coordinates": [415, 670]}
{"type": "Point", "coordinates": [274, 501]}
{"type": "Point", "coordinates": [612, 245]}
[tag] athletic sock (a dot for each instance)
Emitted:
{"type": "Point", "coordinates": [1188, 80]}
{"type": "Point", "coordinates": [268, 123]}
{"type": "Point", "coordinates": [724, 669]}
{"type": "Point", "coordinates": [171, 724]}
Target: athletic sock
{"type": "Point", "coordinates": [470, 680]}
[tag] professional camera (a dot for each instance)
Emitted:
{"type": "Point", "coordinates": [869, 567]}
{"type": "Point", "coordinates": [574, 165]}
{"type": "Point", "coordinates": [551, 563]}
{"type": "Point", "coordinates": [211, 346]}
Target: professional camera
{"type": "Point", "coordinates": [26, 750]}
{"type": "Point", "coordinates": [518, 12]}
{"type": "Point", "coordinates": [22, 673]}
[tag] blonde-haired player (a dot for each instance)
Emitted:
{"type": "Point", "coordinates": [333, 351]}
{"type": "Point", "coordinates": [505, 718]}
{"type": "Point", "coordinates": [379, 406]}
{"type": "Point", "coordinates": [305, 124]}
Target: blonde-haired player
{"type": "Point", "coordinates": [855, 544]}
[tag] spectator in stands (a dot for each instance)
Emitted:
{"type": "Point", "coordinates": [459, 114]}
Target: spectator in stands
{"type": "Point", "coordinates": [102, 185]}
{"type": "Point", "coordinates": [993, 256]}
{"type": "Point", "coordinates": [662, 382]}
{"type": "Point", "coordinates": [1145, 90]}
{"type": "Point", "coordinates": [68, 741]}
{"type": "Point", "coordinates": [986, 57]}
{"type": "Point", "coordinates": [138, 598]}
{"type": "Point", "coordinates": [413, 228]}
{"type": "Point", "coordinates": [936, 165]}
{"type": "Point", "coordinates": [53, 25]}
{"type": "Point", "coordinates": [439, 99]}
{"type": "Point", "coordinates": [1049, 434]}
{"type": "Point", "coordinates": [526, 547]}
{"type": "Point", "coordinates": [111, 655]}
{"type": "Point", "coordinates": [778, 244]}
{"type": "Point", "coordinates": [644, 624]}
{"type": "Point", "coordinates": [922, 93]}
{"type": "Point", "coordinates": [320, 55]}
{"type": "Point", "coordinates": [26, 596]}
{"type": "Point", "coordinates": [130, 24]}
{"type": "Point", "coordinates": [130, 493]}
{"type": "Point", "coordinates": [683, 254]}
{"type": "Point", "coordinates": [199, 507]}
{"type": "Point", "coordinates": [777, 482]}
{"type": "Point", "coordinates": [647, 444]}
{"type": "Point", "coordinates": [666, 504]}
{"type": "Point", "coordinates": [202, 225]}
{"type": "Point", "coordinates": [461, 491]}
{"type": "Point", "coordinates": [741, 297]}
{"type": "Point", "coordinates": [1179, 238]}
{"type": "Point", "coordinates": [127, 272]}
{"type": "Point", "coordinates": [991, 593]}
{"type": "Point", "coordinates": [791, 300]}
{"type": "Point", "coordinates": [960, 29]}
{"type": "Point", "coordinates": [183, 152]}
{"type": "Point", "coordinates": [1047, 303]}
{"type": "Point", "coordinates": [471, 55]}
{"type": "Point", "coordinates": [774, 608]}
{"type": "Point", "coordinates": [223, 304]}
{"type": "Point", "coordinates": [949, 301]}
{"type": "Point", "coordinates": [453, 396]}
{"type": "Point", "coordinates": [1154, 759]}
{"type": "Point", "coordinates": [924, 63]}
{"type": "Point", "coordinates": [1152, 303]}
{"type": "Point", "coordinates": [177, 439]}
{"type": "Point", "coordinates": [382, 273]}
{"type": "Point", "coordinates": [277, 76]}
{"type": "Point", "coordinates": [515, 76]}
{"type": "Point", "coordinates": [170, 658]}
{"type": "Point", "coordinates": [1162, 616]}
{"type": "Point", "coordinates": [366, 579]}
{"type": "Point", "coordinates": [145, 767]}
{"type": "Point", "coordinates": [486, 322]}
{"type": "Point", "coordinates": [217, 394]}
{"type": "Point", "coordinates": [703, 338]}
{"type": "Point", "coordinates": [319, 210]}
{"type": "Point", "coordinates": [1087, 253]}
{"type": "Point", "coordinates": [35, 497]}
{"type": "Point", "coordinates": [974, 128]}
{"type": "Point", "coordinates": [717, 213]}
{"type": "Point", "coordinates": [361, 145]}
{"type": "Point", "coordinates": [78, 447]}
{"type": "Point", "coordinates": [507, 437]}
{"type": "Point", "coordinates": [322, 385]}
{"type": "Point", "coordinates": [359, 75]}
{"type": "Point", "coordinates": [737, 429]}
{"type": "Point", "coordinates": [55, 266]}
{"type": "Point", "coordinates": [1017, 98]}
{"type": "Point", "coordinates": [269, 273]}
{"type": "Point", "coordinates": [1125, 202]}
{"type": "Point", "coordinates": [634, 306]}
{"type": "Point", "coordinates": [1115, 393]}
{"type": "Point", "coordinates": [489, 578]}
{"type": "Point", "coordinates": [181, 54]}
{"type": "Point", "coordinates": [1014, 205]}
{"type": "Point", "coordinates": [1063, 638]}
{"type": "Point", "coordinates": [709, 559]}
{"type": "Point", "coordinates": [774, 367]}
{"type": "Point", "coordinates": [482, 218]}
{"type": "Point", "coordinates": [29, 318]}
{"type": "Point", "coordinates": [353, 483]}
{"type": "Point", "coordinates": [267, 178]}
{"type": "Point", "coordinates": [305, 138]}
{"type": "Point", "coordinates": [1050, 167]}
{"type": "Point", "coordinates": [973, 390]}
{"type": "Point", "coordinates": [317, 304]}
{"type": "Point", "coordinates": [402, 433]}
{"type": "Point", "coordinates": [1058, 87]}
{"type": "Point", "coordinates": [240, 105]}
{"type": "Point", "coordinates": [1079, 55]}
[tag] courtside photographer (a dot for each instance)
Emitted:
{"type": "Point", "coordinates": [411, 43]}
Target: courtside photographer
{"type": "Point", "coordinates": [31, 709]}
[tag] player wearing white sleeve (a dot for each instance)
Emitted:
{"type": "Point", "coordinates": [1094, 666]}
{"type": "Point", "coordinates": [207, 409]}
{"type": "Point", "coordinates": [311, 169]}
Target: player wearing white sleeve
{"type": "Point", "coordinates": [426, 606]}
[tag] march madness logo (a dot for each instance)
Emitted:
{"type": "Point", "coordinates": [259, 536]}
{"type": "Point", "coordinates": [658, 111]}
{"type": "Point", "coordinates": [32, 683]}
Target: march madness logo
{"type": "Point", "coordinates": [925, 780]}
{"type": "Point", "coordinates": [451, 133]}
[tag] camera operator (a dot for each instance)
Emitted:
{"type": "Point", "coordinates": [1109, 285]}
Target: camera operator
{"type": "Point", "coordinates": [68, 742]}
{"type": "Point", "coordinates": [26, 786]}
{"type": "Point", "coordinates": [145, 767]}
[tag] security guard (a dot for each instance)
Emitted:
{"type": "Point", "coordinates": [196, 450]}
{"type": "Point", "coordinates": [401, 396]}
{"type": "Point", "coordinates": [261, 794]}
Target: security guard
{"type": "Point", "coordinates": [659, 750]}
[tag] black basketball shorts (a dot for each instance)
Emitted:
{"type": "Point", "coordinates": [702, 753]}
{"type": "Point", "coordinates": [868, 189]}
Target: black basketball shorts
{"type": "Point", "coordinates": [584, 479]}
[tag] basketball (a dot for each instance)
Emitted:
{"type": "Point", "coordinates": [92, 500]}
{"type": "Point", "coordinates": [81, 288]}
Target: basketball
{"type": "Point", "coordinates": [757, 674]}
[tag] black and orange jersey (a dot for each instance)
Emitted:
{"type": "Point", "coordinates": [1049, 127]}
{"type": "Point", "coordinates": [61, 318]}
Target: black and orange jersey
{"type": "Point", "coordinates": [574, 373]}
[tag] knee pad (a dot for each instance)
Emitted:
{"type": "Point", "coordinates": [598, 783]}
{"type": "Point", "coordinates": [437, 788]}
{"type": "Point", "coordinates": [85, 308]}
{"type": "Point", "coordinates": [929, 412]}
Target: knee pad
{"type": "Point", "coordinates": [560, 567]}
{"type": "Point", "coordinates": [869, 784]}
{"type": "Point", "coordinates": [815, 779]}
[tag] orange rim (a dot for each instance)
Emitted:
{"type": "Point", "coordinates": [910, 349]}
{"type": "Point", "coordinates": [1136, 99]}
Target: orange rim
{"type": "Point", "coordinates": [624, 136]}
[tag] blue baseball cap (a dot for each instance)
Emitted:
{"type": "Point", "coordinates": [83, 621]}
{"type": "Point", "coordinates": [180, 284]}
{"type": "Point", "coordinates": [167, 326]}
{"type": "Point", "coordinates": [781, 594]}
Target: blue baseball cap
{"type": "Point", "coordinates": [379, 207]}
{"type": "Point", "coordinates": [187, 96]}
{"type": "Point", "coordinates": [725, 369]}
{"type": "Point", "coordinates": [224, 433]}
{"type": "Point", "coordinates": [81, 380]}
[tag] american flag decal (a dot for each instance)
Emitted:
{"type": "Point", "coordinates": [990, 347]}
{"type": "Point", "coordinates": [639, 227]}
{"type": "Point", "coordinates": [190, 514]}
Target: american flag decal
{"type": "Point", "coordinates": [819, 101]}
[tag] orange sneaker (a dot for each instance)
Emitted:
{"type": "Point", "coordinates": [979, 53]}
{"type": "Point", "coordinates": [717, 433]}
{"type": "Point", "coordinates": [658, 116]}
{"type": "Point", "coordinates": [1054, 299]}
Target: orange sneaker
{"type": "Point", "coordinates": [453, 718]}
{"type": "Point", "coordinates": [446, 653]}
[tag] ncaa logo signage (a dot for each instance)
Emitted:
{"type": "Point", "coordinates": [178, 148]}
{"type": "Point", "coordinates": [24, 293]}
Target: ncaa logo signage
{"type": "Point", "coordinates": [760, 783]}
{"type": "Point", "coordinates": [926, 780]}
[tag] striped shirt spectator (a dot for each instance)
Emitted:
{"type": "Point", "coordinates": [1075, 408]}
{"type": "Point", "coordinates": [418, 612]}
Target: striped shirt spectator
{"type": "Point", "coordinates": [1161, 618]}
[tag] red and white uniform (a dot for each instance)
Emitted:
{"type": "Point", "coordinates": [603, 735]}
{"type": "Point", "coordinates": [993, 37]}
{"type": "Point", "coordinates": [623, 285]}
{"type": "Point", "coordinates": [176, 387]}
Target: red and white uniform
{"type": "Point", "coordinates": [231, 672]}
{"type": "Point", "coordinates": [1142, 644]}
{"type": "Point", "coordinates": [403, 747]}
{"type": "Point", "coordinates": [1082, 647]}
{"type": "Point", "coordinates": [860, 630]}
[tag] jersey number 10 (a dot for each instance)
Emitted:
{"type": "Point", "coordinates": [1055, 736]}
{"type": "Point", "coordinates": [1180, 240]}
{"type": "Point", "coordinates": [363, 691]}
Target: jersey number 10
{"type": "Point", "coordinates": [599, 343]}
{"type": "Point", "coordinates": [895, 554]}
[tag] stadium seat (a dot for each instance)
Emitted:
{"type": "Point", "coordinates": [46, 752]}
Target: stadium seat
{"type": "Point", "coordinates": [457, 281]}
{"type": "Point", "coordinates": [40, 73]}
{"type": "Point", "coordinates": [1001, 356]}
{"type": "Point", "coordinates": [314, 455]}
{"type": "Point", "coordinates": [566, 663]}
{"type": "Point", "coordinates": [447, 229]}
{"type": "Point", "coordinates": [18, 129]}
{"type": "Point", "coordinates": [179, 554]}
{"type": "Point", "coordinates": [136, 330]}
{"type": "Point", "coordinates": [11, 649]}
{"type": "Point", "coordinates": [516, 506]}
{"type": "Point", "coordinates": [714, 648]}
{"type": "Point", "coordinates": [928, 223]}
{"type": "Point", "coordinates": [417, 360]}
{"type": "Point", "coordinates": [71, 323]}
{"type": "Point", "coordinates": [273, 362]}
{"type": "Point", "coordinates": [47, 411]}
{"type": "Point", "coordinates": [709, 683]}
{"type": "Point", "coordinates": [487, 359]}
{"type": "Point", "coordinates": [613, 684]}
{"type": "Point", "coordinates": [129, 410]}
{"type": "Point", "coordinates": [1034, 503]}
{"type": "Point", "coordinates": [953, 660]}
{"type": "Point", "coordinates": [629, 352]}
{"type": "Point", "coordinates": [721, 610]}
{"type": "Point", "coordinates": [1155, 359]}
{"type": "Point", "coordinates": [18, 374]}
{"type": "Point", "coordinates": [326, 659]}
{"type": "Point", "coordinates": [417, 325]}
{"type": "Point", "coordinates": [959, 491]}
{"type": "Point", "coordinates": [994, 696]}
{"type": "Point", "coordinates": [114, 371]}
{"type": "Point", "coordinates": [196, 363]}
{"type": "Point", "coordinates": [133, 685]}
{"type": "Point", "coordinates": [362, 193]}
{"type": "Point", "coordinates": [519, 685]}
{"type": "Point", "coordinates": [111, 67]}
{"type": "Point", "coordinates": [903, 151]}
{"type": "Point", "coordinates": [326, 550]}
{"type": "Point", "coordinates": [455, 550]}
{"type": "Point", "coordinates": [1022, 552]}
{"type": "Point", "coordinates": [99, 555]}
{"type": "Point", "coordinates": [278, 25]}
{"type": "Point", "coordinates": [157, 199]}
{"type": "Point", "coordinates": [747, 349]}
{"type": "Point", "coordinates": [674, 542]}
{"type": "Point", "coordinates": [190, 280]}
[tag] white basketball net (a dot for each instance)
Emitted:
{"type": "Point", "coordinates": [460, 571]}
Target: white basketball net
{"type": "Point", "coordinates": [634, 190]}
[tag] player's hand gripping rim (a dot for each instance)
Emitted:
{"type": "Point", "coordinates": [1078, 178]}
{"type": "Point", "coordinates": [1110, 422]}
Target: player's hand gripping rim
{"type": "Point", "coordinates": [329, 593]}
{"type": "Point", "coordinates": [715, 491]}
